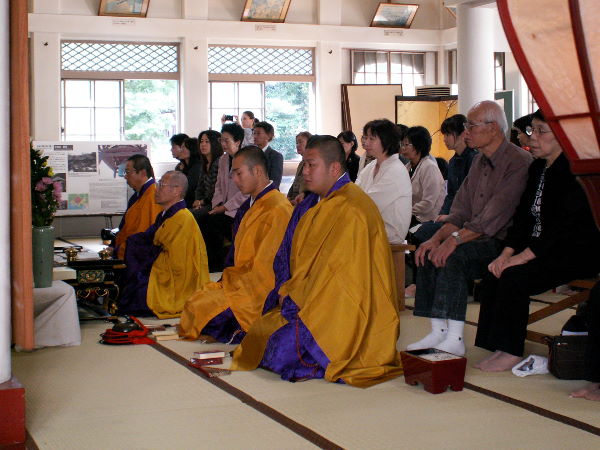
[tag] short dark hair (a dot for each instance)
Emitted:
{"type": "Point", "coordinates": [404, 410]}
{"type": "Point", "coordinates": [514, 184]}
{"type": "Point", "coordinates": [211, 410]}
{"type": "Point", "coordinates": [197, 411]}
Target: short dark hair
{"type": "Point", "coordinates": [330, 149]}
{"type": "Point", "coordinates": [420, 139]}
{"type": "Point", "coordinates": [177, 139]}
{"type": "Point", "coordinates": [523, 122]}
{"type": "Point", "coordinates": [141, 162]}
{"type": "Point", "coordinates": [235, 130]}
{"type": "Point", "coordinates": [267, 127]}
{"type": "Point", "coordinates": [387, 132]}
{"type": "Point", "coordinates": [454, 125]}
{"type": "Point", "coordinates": [349, 137]}
{"type": "Point", "coordinates": [402, 129]}
{"type": "Point", "coordinates": [538, 115]}
{"type": "Point", "coordinates": [253, 156]}
{"type": "Point", "coordinates": [216, 150]}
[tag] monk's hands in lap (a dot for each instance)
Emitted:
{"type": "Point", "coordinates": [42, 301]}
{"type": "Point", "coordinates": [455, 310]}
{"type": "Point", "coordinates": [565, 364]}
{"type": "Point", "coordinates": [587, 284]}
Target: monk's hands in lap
{"type": "Point", "coordinates": [440, 255]}
{"type": "Point", "coordinates": [423, 249]}
{"type": "Point", "coordinates": [218, 210]}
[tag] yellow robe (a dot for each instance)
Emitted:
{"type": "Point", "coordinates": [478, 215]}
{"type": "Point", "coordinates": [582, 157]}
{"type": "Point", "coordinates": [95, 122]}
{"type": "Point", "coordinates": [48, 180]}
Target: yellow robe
{"type": "Point", "coordinates": [245, 285]}
{"type": "Point", "coordinates": [138, 218]}
{"type": "Point", "coordinates": [343, 283]}
{"type": "Point", "coordinates": [181, 267]}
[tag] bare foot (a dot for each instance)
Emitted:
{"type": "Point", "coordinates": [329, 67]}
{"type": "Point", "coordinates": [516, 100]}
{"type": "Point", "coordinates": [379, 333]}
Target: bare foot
{"type": "Point", "coordinates": [504, 361]}
{"type": "Point", "coordinates": [581, 393]}
{"type": "Point", "coordinates": [410, 290]}
{"type": "Point", "coordinates": [489, 358]}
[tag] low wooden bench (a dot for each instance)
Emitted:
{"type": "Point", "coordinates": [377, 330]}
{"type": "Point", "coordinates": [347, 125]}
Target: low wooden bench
{"type": "Point", "coordinates": [584, 286]}
{"type": "Point", "coordinates": [398, 255]}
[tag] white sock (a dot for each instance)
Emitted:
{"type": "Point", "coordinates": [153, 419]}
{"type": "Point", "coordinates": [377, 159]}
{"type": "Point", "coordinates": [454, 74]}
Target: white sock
{"type": "Point", "coordinates": [439, 329]}
{"type": "Point", "coordinates": [453, 343]}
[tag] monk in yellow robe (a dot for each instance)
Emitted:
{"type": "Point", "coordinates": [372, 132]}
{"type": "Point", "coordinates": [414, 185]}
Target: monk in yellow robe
{"type": "Point", "coordinates": [141, 207]}
{"type": "Point", "coordinates": [167, 262]}
{"type": "Point", "coordinates": [338, 316]}
{"type": "Point", "coordinates": [225, 310]}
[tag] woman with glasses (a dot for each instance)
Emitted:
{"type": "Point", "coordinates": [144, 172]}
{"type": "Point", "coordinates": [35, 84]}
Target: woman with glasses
{"type": "Point", "coordinates": [552, 241]}
{"type": "Point", "coordinates": [428, 187]}
{"type": "Point", "coordinates": [225, 201]}
{"type": "Point", "coordinates": [191, 166]}
{"type": "Point", "coordinates": [385, 179]}
{"type": "Point", "coordinates": [210, 153]}
{"type": "Point", "coordinates": [350, 144]}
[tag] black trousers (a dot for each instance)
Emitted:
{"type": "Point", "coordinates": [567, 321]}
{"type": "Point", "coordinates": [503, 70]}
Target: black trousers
{"type": "Point", "coordinates": [593, 349]}
{"type": "Point", "coordinates": [504, 310]}
{"type": "Point", "coordinates": [215, 229]}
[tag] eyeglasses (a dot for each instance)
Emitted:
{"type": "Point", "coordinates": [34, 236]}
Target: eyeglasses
{"type": "Point", "coordinates": [127, 171]}
{"type": "Point", "coordinates": [406, 144]}
{"type": "Point", "coordinates": [469, 125]}
{"type": "Point", "coordinates": [537, 130]}
{"type": "Point", "coordinates": [225, 140]}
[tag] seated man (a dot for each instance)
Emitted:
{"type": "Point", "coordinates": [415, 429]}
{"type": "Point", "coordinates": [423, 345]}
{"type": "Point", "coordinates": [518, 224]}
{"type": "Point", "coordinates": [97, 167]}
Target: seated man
{"type": "Point", "coordinates": [141, 207]}
{"type": "Point", "coordinates": [263, 134]}
{"type": "Point", "coordinates": [167, 262]}
{"type": "Point", "coordinates": [472, 234]}
{"type": "Point", "coordinates": [338, 315]}
{"type": "Point", "coordinates": [226, 309]}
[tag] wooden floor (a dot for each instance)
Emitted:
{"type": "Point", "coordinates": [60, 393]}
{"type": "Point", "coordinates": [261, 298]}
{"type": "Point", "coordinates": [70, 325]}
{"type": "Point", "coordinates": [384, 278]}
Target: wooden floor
{"type": "Point", "coordinates": [122, 397]}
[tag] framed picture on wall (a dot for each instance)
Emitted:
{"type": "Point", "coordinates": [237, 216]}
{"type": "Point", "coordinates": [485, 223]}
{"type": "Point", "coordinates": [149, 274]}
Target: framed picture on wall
{"type": "Point", "coordinates": [123, 8]}
{"type": "Point", "coordinates": [265, 10]}
{"type": "Point", "coordinates": [394, 15]}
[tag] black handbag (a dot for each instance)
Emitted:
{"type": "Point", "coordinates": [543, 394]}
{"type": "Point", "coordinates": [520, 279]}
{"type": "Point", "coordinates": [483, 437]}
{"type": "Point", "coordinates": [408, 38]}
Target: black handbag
{"type": "Point", "coordinates": [567, 355]}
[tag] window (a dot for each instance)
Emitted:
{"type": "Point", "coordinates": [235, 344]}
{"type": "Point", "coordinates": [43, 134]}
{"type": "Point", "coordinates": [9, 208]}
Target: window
{"type": "Point", "coordinates": [532, 105]}
{"type": "Point", "coordinates": [276, 84]}
{"type": "Point", "coordinates": [499, 71]}
{"type": "Point", "coordinates": [385, 67]}
{"type": "Point", "coordinates": [452, 64]}
{"type": "Point", "coordinates": [120, 91]}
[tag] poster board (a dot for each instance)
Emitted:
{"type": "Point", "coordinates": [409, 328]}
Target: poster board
{"type": "Point", "coordinates": [362, 103]}
{"type": "Point", "coordinates": [428, 112]}
{"type": "Point", "coordinates": [91, 174]}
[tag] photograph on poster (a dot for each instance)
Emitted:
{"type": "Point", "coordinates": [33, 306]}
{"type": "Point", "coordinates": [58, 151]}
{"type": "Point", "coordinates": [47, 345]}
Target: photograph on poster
{"type": "Point", "coordinates": [82, 163]}
{"type": "Point", "coordinates": [112, 159]}
{"type": "Point", "coordinates": [79, 201]}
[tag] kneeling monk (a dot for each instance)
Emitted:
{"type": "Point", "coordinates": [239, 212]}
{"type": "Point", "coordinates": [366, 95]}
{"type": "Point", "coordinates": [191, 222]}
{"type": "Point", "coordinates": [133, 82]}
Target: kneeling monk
{"type": "Point", "coordinates": [167, 262]}
{"type": "Point", "coordinates": [338, 314]}
{"type": "Point", "coordinates": [226, 309]}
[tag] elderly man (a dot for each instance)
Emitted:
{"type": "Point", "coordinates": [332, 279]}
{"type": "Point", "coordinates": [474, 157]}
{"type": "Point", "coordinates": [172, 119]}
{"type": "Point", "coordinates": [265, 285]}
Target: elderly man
{"type": "Point", "coordinates": [167, 262]}
{"type": "Point", "coordinates": [226, 310]}
{"type": "Point", "coordinates": [471, 235]}
{"type": "Point", "coordinates": [263, 134]}
{"type": "Point", "coordinates": [141, 207]}
{"type": "Point", "coordinates": [338, 316]}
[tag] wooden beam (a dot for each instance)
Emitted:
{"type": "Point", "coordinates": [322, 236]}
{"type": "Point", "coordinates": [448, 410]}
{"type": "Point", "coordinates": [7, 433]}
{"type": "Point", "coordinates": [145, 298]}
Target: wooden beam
{"type": "Point", "coordinates": [20, 179]}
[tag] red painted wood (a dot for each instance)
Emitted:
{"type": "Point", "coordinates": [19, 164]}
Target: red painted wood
{"type": "Point", "coordinates": [436, 376]}
{"type": "Point", "coordinates": [12, 413]}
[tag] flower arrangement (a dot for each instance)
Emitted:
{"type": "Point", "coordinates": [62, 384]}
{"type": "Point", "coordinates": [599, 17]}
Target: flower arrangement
{"type": "Point", "coordinates": [45, 193]}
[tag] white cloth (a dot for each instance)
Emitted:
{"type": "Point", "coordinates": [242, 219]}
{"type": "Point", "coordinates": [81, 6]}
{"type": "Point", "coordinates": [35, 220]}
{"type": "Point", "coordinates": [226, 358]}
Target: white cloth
{"type": "Point", "coordinates": [248, 137]}
{"type": "Point", "coordinates": [391, 191]}
{"type": "Point", "coordinates": [56, 321]}
{"type": "Point", "coordinates": [532, 365]}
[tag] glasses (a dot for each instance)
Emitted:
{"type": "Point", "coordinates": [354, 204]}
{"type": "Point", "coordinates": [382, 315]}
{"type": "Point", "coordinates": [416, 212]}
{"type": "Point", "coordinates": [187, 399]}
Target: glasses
{"type": "Point", "coordinates": [469, 125]}
{"type": "Point", "coordinates": [537, 130]}
{"type": "Point", "coordinates": [127, 171]}
{"type": "Point", "coordinates": [406, 144]}
{"type": "Point", "coordinates": [225, 140]}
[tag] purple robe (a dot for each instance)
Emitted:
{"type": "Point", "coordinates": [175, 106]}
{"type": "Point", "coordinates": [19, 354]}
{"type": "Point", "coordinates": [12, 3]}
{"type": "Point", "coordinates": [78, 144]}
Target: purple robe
{"type": "Point", "coordinates": [294, 339]}
{"type": "Point", "coordinates": [140, 255]}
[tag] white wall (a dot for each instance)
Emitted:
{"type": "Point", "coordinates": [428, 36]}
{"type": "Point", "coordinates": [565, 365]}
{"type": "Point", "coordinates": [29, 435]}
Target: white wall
{"type": "Point", "coordinates": [5, 299]}
{"type": "Point", "coordinates": [53, 20]}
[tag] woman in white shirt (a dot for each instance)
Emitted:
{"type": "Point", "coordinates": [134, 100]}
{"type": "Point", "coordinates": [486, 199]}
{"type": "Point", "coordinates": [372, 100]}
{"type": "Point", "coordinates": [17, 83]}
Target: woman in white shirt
{"type": "Point", "coordinates": [386, 179]}
{"type": "Point", "coordinates": [428, 187]}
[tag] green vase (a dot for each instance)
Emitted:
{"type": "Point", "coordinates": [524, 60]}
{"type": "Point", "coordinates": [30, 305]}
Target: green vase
{"type": "Point", "coordinates": [43, 255]}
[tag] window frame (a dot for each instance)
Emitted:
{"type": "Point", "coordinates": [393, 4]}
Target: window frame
{"type": "Point", "coordinates": [389, 64]}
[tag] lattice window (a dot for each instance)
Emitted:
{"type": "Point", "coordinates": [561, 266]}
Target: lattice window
{"type": "Point", "coordinates": [120, 57]}
{"type": "Point", "coordinates": [260, 61]}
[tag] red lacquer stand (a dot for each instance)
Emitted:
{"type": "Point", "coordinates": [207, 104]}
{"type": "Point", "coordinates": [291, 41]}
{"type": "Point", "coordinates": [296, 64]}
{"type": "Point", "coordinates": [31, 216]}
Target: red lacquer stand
{"type": "Point", "coordinates": [435, 376]}
{"type": "Point", "coordinates": [12, 413]}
